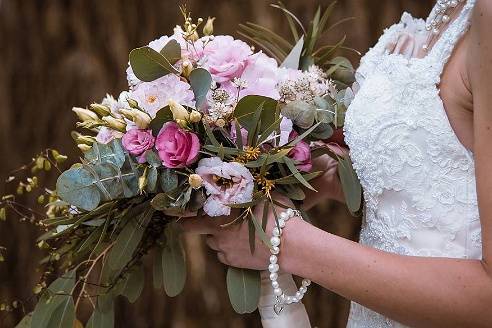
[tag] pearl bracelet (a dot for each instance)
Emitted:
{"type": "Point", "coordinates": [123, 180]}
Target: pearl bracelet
{"type": "Point", "coordinates": [281, 298]}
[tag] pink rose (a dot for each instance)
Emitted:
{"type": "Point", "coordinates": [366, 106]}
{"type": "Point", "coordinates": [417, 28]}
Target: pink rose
{"type": "Point", "coordinates": [301, 153]}
{"type": "Point", "coordinates": [225, 183]}
{"type": "Point", "coordinates": [226, 58]}
{"type": "Point", "coordinates": [137, 142]}
{"type": "Point", "coordinates": [177, 147]}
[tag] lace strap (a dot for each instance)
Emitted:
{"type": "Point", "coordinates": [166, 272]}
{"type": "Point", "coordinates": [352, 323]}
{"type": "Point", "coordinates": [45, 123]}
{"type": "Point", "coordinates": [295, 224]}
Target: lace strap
{"type": "Point", "coordinates": [444, 47]}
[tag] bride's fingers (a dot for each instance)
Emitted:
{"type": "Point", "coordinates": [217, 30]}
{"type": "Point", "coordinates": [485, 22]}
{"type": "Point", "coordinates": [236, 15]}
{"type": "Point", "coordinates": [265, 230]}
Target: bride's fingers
{"type": "Point", "coordinates": [212, 243]}
{"type": "Point", "coordinates": [222, 258]}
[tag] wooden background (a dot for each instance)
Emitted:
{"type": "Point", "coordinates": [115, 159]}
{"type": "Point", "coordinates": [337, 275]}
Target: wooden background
{"type": "Point", "coordinates": [57, 54]}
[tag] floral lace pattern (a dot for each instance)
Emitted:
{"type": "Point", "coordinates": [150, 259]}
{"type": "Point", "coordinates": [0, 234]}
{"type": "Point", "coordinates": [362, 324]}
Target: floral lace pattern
{"type": "Point", "coordinates": [418, 179]}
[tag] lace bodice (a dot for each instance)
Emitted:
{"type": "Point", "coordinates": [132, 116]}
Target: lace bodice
{"type": "Point", "coordinates": [418, 179]}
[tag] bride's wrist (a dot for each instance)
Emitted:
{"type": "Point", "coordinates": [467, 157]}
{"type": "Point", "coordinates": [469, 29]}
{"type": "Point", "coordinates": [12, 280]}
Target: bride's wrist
{"type": "Point", "coordinates": [289, 249]}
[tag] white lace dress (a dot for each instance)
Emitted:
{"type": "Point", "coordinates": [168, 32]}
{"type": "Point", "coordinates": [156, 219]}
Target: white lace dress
{"type": "Point", "coordinates": [418, 179]}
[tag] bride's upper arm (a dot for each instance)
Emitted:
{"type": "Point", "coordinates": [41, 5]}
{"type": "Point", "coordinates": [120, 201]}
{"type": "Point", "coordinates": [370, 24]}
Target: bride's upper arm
{"type": "Point", "coordinates": [480, 67]}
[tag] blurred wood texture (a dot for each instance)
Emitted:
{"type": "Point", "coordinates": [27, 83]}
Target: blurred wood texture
{"type": "Point", "coordinates": [58, 54]}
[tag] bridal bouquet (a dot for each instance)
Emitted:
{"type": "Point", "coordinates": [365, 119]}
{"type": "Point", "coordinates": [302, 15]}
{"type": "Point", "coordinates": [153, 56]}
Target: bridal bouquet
{"type": "Point", "coordinates": [207, 124]}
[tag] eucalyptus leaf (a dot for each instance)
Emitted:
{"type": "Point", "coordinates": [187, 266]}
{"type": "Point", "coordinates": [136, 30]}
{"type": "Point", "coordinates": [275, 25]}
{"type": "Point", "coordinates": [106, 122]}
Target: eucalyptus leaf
{"type": "Point", "coordinates": [173, 261]}
{"type": "Point", "coordinates": [246, 108]}
{"type": "Point", "coordinates": [64, 315]}
{"type": "Point", "coordinates": [149, 65]}
{"type": "Point", "coordinates": [322, 132]}
{"type": "Point", "coordinates": [133, 284]}
{"type": "Point", "coordinates": [153, 159]}
{"type": "Point", "coordinates": [157, 270]}
{"type": "Point", "coordinates": [152, 176]}
{"type": "Point", "coordinates": [301, 113]}
{"type": "Point", "coordinates": [200, 81]}
{"type": "Point", "coordinates": [128, 240]}
{"type": "Point", "coordinates": [112, 152]}
{"type": "Point", "coordinates": [351, 187]}
{"type": "Point", "coordinates": [100, 319]}
{"type": "Point", "coordinates": [51, 299]}
{"type": "Point", "coordinates": [77, 187]}
{"type": "Point", "coordinates": [243, 287]}
{"type": "Point", "coordinates": [293, 169]}
{"type": "Point", "coordinates": [168, 180]}
{"type": "Point", "coordinates": [25, 322]}
{"type": "Point", "coordinates": [162, 116]}
{"type": "Point", "coordinates": [171, 51]}
{"type": "Point", "coordinates": [293, 58]}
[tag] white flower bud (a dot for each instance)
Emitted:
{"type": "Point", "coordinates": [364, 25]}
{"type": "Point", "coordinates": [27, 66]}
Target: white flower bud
{"type": "Point", "coordinates": [195, 116]}
{"type": "Point", "coordinates": [179, 112]}
{"type": "Point", "coordinates": [84, 147]}
{"type": "Point", "coordinates": [141, 119]}
{"type": "Point", "coordinates": [208, 29]}
{"type": "Point", "coordinates": [195, 181]}
{"type": "Point", "coordinates": [85, 114]}
{"type": "Point", "coordinates": [114, 123]}
{"type": "Point", "coordinates": [100, 110]}
{"type": "Point", "coordinates": [187, 68]}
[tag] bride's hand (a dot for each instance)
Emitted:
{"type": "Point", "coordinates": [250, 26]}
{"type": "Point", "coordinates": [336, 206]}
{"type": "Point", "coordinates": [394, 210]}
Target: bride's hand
{"type": "Point", "coordinates": [232, 242]}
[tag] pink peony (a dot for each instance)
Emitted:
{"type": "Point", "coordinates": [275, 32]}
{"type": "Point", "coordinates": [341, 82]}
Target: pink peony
{"type": "Point", "coordinates": [226, 58]}
{"type": "Point", "coordinates": [177, 147]}
{"type": "Point", "coordinates": [137, 142]}
{"type": "Point", "coordinates": [301, 153]}
{"type": "Point", "coordinates": [226, 183]}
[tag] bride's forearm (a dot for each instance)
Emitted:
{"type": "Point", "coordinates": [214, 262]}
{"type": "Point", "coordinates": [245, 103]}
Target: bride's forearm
{"type": "Point", "coordinates": [420, 292]}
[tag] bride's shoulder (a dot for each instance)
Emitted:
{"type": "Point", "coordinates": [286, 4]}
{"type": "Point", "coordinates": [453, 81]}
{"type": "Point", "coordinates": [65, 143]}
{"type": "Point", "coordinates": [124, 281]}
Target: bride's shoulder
{"type": "Point", "coordinates": [482, 14]}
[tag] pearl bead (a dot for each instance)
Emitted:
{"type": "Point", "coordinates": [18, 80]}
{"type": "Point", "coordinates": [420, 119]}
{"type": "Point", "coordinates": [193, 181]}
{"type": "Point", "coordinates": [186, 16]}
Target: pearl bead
{"type": "Point", "coordinates": [303, 290]}
{"type": "Point", "coordinates": [290, 212]}
{"type": "Point", "coordinates": [273, 268]}
{"type": "Point", "coordinates": [298, 295]}
{"type": "Point", "coordinates": [306, 282]}
{"type": "Point", "coordinates": [275, 241]}
{"type": "Point", "coordinates": [453, 3]}
{"type": "Point", "coordinates": [281, 223]}
{"type": "Point", "coordinates": [275, 284]}
{"type": "Point", "coordinates": [276, 232]}
{"type": "Point", "coordinates": [284, 216]}
{"type": "Point", "coordinates": [273, 259]}
{"type": "Point", "coordinates": [445, 18]}
{"type": "Point", "coordinates": [277, 292]}
{"type": "Point", "coordinates": [435, 31]}
{"type": "Point", "coordinates": [275, 250]}
{"type": "Point", "coordinates": [273, 276]}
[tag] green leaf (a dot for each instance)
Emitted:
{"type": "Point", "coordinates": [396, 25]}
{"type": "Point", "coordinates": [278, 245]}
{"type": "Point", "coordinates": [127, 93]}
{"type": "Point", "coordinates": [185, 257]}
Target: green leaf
{"type": "Point", "coordinates": [291, 179]}
{"type": "Point", "coordinates": [25, 322]}
{"type": "Point", "coordinates": [301, 113]}
{"type": "Point", "coordinates": [173, 261]}
{"type": "Point", "coordinates": [51, 299]}
{"type": "Point", "coordinates": [64, 315]}
{"type": "Point", "coordinates": [352, 189]}
{"type": "Point", "coordinates": [168, 180]}
{"type": "Point", "coordinates": [243, 287]}
{"type": "Point", "coordinates": [153, 159]}
{"type": "Point", "coordinates": [293, 169]}
{"type": "Point", "coordinates": [100, 319]}
{"type": "Point", "coordinates": [112, 153]}
{"type": "Point", "coordinates": [260, 231]}
{"type": "Point", "coordinates": [128, 240]}
{"type": "Point", "coordinates": [269, 159]}
{"type": "Point", "coordinates": [246, 108]}
{"type": "Point", "coordinates": [200, 81]}
{"type": "Point", "coordinates": [294, 192]}
{"type": "Point", "coordinates": [133, 284]}
{"type": "Point", "coordinates": [172, 51]}
{"type": "Point", "coordinates": [163, 116]}
{"type": "Point", "coordinates": [251, 237]}
{"type": "Point", "coordinates": [160, 202]}
{"type": "Point", "coordinates": [322, 132]}
{"type": "Point", "coordinates": [157, 271]}
{"type": "Point", "coordinates": [293, 59]}
{"type": "Point", "coordinates": [152, 179]}
{"type": "Point", "coordinates": [149, 65]}
{"type": "Point", "coordinates": [239, 136]}
{"type": "Point", "coordinates": [77, 187]}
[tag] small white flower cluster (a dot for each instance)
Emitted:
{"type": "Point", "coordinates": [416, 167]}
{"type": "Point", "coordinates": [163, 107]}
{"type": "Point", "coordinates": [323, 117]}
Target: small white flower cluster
{"type": "Point", "coordinates": [220, 107]}
{"type": "Point", "coordinates": [306, 86]}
